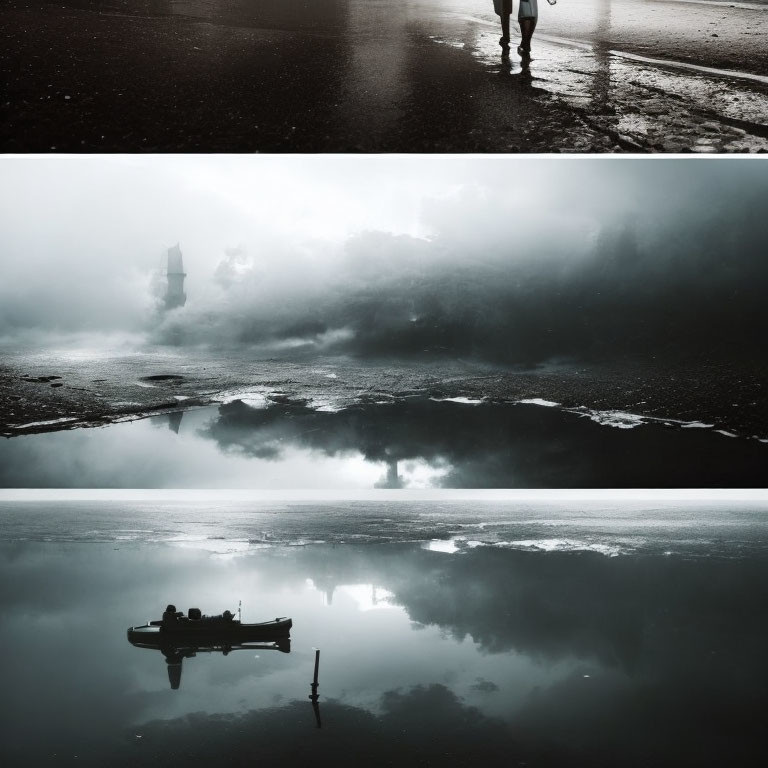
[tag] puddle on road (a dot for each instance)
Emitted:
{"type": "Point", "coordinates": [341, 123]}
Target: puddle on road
{"type": "Point", "coordinates": [414, 443]}
{"type": "Point", "coordinates": [642, 105]}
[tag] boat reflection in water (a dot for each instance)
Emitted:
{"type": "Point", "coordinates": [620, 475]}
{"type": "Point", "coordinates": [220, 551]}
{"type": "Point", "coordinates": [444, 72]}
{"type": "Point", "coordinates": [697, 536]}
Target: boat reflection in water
{"type": "Point", "coordinates": [187, 636]}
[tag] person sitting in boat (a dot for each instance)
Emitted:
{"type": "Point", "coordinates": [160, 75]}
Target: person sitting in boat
{"type": "Point", "coordinates": [228, 615]}
{"type": "Point", "coordinates": [171, 615]}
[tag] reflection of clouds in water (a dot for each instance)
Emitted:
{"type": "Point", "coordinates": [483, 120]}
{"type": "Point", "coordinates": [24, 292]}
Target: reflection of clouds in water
{"type": "Point", "coordinates": [353, 661]}
{"type": "Point", "coordinates": [608, 646]}
{"type": "Point", "coordinates": [147, 454]}
{"type": "Point", "coordinates": [561, 545]}
{"type": "Point", "coordinates": [366, 597]}
{"type": "Point", "coordinates": [411, 727]}
{"type": "Point", "coordinates": [251, 399]}
{"type": "Point", "coordinates": [449, 546]}
{"type": "Point", "coordinates": [461, 544]}
{"type": "Point", "coordinates": [273, 442]}
{"type": "Point", "coordinates": [429, 442]}
{"type": "Point", "coordinates": [221, 547]}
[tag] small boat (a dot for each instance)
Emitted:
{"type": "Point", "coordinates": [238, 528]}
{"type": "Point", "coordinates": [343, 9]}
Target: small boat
{"type": "Point", "coordinates": [190, 635]}
{"type": "Point", "coordinates": [207, 630]}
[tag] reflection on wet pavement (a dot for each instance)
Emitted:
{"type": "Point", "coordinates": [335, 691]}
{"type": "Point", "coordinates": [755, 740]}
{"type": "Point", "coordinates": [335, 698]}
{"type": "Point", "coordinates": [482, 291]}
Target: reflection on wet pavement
{"type": "Point", "coordinates": [637, 105]}
{"type": "Point", "coordinates": [405, 75]}
{"type": "Point", "coordinates": [632, 103]}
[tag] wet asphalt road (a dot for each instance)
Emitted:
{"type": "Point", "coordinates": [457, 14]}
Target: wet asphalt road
{"type": "Point", "coordinates": [48, 390]}
{"type": "Point", "coordinates": [382, 76]}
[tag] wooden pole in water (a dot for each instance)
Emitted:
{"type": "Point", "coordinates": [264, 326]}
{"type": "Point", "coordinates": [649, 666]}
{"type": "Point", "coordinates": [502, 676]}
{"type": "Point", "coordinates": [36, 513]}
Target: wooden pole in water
{"type": "Point", "coordinates": [317, 666]}
{"type": "Point", "coordinates": [314, 697]}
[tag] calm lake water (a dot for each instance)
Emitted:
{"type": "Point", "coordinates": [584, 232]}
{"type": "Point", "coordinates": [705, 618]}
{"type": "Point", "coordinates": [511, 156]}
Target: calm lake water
{"type": "Point", "coordinates": [450, 633]}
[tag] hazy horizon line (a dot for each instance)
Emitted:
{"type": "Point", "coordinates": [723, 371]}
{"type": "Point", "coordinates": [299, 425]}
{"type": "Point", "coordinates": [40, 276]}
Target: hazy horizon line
{"type": "Point", "coordinates": [532, 495]}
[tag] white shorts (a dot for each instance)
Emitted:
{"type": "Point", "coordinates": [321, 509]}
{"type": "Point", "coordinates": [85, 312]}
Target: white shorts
{"type": "Point", "coordinates": [529, 9]}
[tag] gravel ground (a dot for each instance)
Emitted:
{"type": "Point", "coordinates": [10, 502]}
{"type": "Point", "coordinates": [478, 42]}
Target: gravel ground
{"type": "Point", "coordinates": [90, 392]}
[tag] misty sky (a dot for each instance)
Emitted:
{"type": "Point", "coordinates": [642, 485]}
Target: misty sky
{"type": "Point", "coordinates": [507, 258]}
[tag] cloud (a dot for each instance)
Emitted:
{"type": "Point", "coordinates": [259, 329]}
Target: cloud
{"type": "Point", "coordinates": [509, 260]}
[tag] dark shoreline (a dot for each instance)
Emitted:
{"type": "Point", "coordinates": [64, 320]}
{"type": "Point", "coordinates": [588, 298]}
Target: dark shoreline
{"type": "Point", "coordinates": [94, 393]}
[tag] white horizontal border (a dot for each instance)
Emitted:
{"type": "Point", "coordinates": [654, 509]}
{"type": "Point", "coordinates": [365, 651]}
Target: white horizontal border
{"type": "Point", "coordinates": [133, 160]}
{"type": "Point", "coordinates": [655, 495]}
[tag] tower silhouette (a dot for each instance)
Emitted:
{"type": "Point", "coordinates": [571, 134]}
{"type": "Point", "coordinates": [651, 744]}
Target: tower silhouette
{"type": "Point", "coordinates": [174, 295]}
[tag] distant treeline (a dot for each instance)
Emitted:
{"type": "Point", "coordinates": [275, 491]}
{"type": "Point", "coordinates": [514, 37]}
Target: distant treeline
{"type": "Point", "coordinates": [618, 303]}
{"type": "Point", "coordinates": [637, 293]}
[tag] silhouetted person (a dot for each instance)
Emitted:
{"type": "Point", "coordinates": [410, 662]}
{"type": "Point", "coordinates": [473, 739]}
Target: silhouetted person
{"type": "Point", "coordinates": [171, 615]}
{"type": "Point", "coordinates": [503, 9]}
{"type": "Point", "coordinates": [527, 16]}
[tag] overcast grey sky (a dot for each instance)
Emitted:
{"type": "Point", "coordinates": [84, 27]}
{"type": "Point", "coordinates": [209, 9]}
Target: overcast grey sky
{"type": "Point", "coordinates": [83, 237]}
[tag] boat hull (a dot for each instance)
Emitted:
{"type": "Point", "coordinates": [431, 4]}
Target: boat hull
{"type": "Point", "coordinates": [203, 634]}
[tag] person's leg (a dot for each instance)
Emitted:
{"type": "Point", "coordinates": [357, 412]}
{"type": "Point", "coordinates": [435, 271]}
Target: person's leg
{"type": "Point", "coordinates": [526, 31]}
{"type": "Point", "coordinates": [505, 8]}
{"type": "Point", "coordinates": [527, 25]}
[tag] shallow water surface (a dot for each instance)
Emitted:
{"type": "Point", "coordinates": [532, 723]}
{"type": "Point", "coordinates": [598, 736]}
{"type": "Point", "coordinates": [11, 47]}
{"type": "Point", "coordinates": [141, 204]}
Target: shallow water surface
{"type": "Point", "coordinates": [275, 442]}
{"type": "Point", "coordinates": [448, 632]}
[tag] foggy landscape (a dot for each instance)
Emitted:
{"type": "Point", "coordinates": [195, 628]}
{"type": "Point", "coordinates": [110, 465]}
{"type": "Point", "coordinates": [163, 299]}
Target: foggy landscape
{"type": "Point", "coordinates": [506, 262]}
{"type": "Point", "coordinates": [138, 287]}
